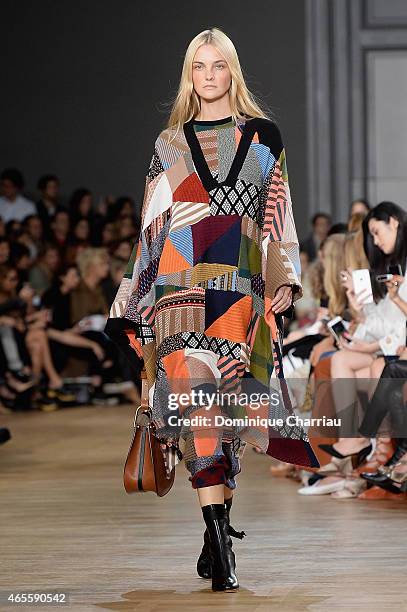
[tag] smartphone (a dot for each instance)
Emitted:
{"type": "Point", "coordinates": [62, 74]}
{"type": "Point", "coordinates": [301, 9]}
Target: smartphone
{"type": "Point", "coordinates": [361, 283]}
{"type": "Point", "coordinates": [395, 269]}
{"type": "Point", "coordinates": [338, 329]}
{"type": "Point", "coordinates": [383, 278]}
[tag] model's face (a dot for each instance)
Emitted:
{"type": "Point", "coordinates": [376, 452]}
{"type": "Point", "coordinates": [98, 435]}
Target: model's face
{"type": "Point", "coordinates": [210, 73]}
{"type": "Point", "coordinates": [384, 234]}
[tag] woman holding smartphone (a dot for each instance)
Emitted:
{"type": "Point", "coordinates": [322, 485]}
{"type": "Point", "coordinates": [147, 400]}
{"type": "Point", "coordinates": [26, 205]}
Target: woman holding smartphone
{"type": "Point", "coordinates": [382, 327]}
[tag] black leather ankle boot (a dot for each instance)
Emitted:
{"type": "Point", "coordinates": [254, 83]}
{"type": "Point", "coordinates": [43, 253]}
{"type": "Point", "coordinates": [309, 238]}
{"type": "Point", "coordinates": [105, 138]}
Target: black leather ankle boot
{"type": "Point", "coordinates": [222, 556]}
{"type": "Point", "coordinates": [203, 565]}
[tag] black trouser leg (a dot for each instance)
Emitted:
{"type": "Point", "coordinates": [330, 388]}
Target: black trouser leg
{"type": "Point", "coordinates": [387, 399]}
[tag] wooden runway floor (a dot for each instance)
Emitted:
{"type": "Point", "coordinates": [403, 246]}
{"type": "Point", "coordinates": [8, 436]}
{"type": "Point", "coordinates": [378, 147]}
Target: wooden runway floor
{"type": "Point", "coordinates": [67, 525]}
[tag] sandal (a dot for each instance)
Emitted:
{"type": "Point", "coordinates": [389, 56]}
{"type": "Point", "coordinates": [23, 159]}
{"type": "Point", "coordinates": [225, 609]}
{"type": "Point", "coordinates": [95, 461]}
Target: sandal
{"type": "Point", "coordinates": [336, 466]}
{"type": "Point", "coordinates": [352, 488]}
{"type": "Point", "coordinates": [382, 453]}
{"type": "Point", "coordinates": [399, 476]}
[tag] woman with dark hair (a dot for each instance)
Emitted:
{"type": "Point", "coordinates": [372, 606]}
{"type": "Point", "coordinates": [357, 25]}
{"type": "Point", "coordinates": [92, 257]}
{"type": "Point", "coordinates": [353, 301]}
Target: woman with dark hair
{"type": "Point", "coordinates": [60, 229]}
{"type": "Point", "coordinates": [31, 336]}
{"type": "Point", "coordinates": [80, 205]}
{"type": "Point", "coordinates": [123, 206]}
{"type": "Point", "coordinates": [382, 329]}
{"type": "Point", "coordinates": [42, 275]}
{"type": "Point", "coordinates": [78, 239]}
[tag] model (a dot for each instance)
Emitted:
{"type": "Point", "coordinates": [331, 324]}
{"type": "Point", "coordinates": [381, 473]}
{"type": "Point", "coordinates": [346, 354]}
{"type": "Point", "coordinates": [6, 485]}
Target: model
{"type": "Point", "coordinates": [205, 291]}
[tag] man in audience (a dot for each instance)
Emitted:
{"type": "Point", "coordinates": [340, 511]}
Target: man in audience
{"type": "Point", "coordinates": [48, 186]}
{"type": "Point", "coordinates": [13, 205]}
{"type": "Point", "coordinates": [321, 223]}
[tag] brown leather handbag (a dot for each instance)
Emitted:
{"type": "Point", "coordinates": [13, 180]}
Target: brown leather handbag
{"type": "Point", "coordinates": [145, 468]}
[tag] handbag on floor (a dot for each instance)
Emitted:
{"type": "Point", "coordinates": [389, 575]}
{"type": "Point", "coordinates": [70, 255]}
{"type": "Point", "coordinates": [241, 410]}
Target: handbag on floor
{"type": "Point", "coordinates": [145, 468]}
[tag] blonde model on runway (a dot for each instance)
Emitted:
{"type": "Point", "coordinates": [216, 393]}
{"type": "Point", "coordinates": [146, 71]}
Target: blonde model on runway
{"type": "Point", "coordinates": [215, 269]}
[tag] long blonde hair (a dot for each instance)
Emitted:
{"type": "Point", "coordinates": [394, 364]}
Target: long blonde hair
{"type": "Point", "coordinates": [333, 263]}
{"type": "Point", "coordinates": [355, 257]}
{"type": "Point", "coordinates": [187, 103]}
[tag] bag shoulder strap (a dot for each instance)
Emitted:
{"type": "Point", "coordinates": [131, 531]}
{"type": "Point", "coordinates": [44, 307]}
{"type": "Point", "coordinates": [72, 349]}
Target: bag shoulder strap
{"type": "Point", "coordinates": [144, 389]}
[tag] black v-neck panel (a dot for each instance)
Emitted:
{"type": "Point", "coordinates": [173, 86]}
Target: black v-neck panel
{"type": "Point", "coordinates": [201, 165]}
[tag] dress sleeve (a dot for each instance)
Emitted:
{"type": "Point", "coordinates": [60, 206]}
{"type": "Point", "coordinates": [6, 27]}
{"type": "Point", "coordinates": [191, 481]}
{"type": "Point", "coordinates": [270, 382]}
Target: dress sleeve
{"type": "Point", "coordinates": [131, 318]}
{"type": "Point", "coordinates": [281, 261]}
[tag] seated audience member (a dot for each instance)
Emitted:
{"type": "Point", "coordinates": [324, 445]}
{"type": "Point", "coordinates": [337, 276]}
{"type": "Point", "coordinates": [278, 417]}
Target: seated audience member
{"type": "Point", "coordinates": [20, 257]}
{"type": "Point", "coordinates": [112, 282]}
{"type": "Point", "coordinates": [321, 223]}
{"type": "Point", "coordinates": [359, 206]}
{"type": "Point", "coordinates": [88, 299]}
{"type": "Point", "coordinates": [338, 228]}
{"type": "Point", "coordinates": [78, 240]}
{"type": "Point", "coordinates": [383, 324]}
{"type": "Point", "coordinates": [60, 229]}
{"type": "Point", "coordinates": [380, 333]}
{"type": "Point", "coordinates": [43, 273]}
{"type": "Point", "coordinates": [61, 335]}
{"type": "Point", "coordinates": [4, 250]}
{"type": "Point", "coordinates": [58, 297]}
{"type": "Point", "coordinates": [32, 235]}
{"type": "Point", "coordinates": [13, 230]}
{"type": "Point", "coordinates": [13, 205]}
{"type": "Point", "coordinates": [121, 249]}
{"type": "Point", "coordinates": [107, 234]}
{"type": "Point", "coordinates": [47, 205]}
{"type": "Point", "coordinates": [31, 338]}
{"type": "Point", "coordinates": [80, 204]}
{"type": "Point", "coordinates": [122, 207]}
{"type": "Point", "coordinates": [126, 228]}
{"type": "Point", "coordinates": [81, 207]}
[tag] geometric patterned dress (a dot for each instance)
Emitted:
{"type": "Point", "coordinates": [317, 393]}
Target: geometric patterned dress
{"type": "Point", "coordinates": [217, 240]}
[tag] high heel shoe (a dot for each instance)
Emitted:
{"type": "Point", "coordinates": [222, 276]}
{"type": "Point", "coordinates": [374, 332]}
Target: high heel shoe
{"type": "Point", "coordinates": [336, 467]}
{"type": "Point", "coordinates": [383, 471]}
{"type": "Point", "coordinates": [223, 561]}
{"type": "Point", "coordinates": [398, 476]}
{"type": "Point", "coordinates": [203, 565]}
{"type": "Point", "coordinates": [356, 458]}
{"type": "Point", "coordinates": [382, 454]}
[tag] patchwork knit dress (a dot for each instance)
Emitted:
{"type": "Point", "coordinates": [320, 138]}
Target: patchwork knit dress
{"type": "Point", "coordinates": [217, 241]}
